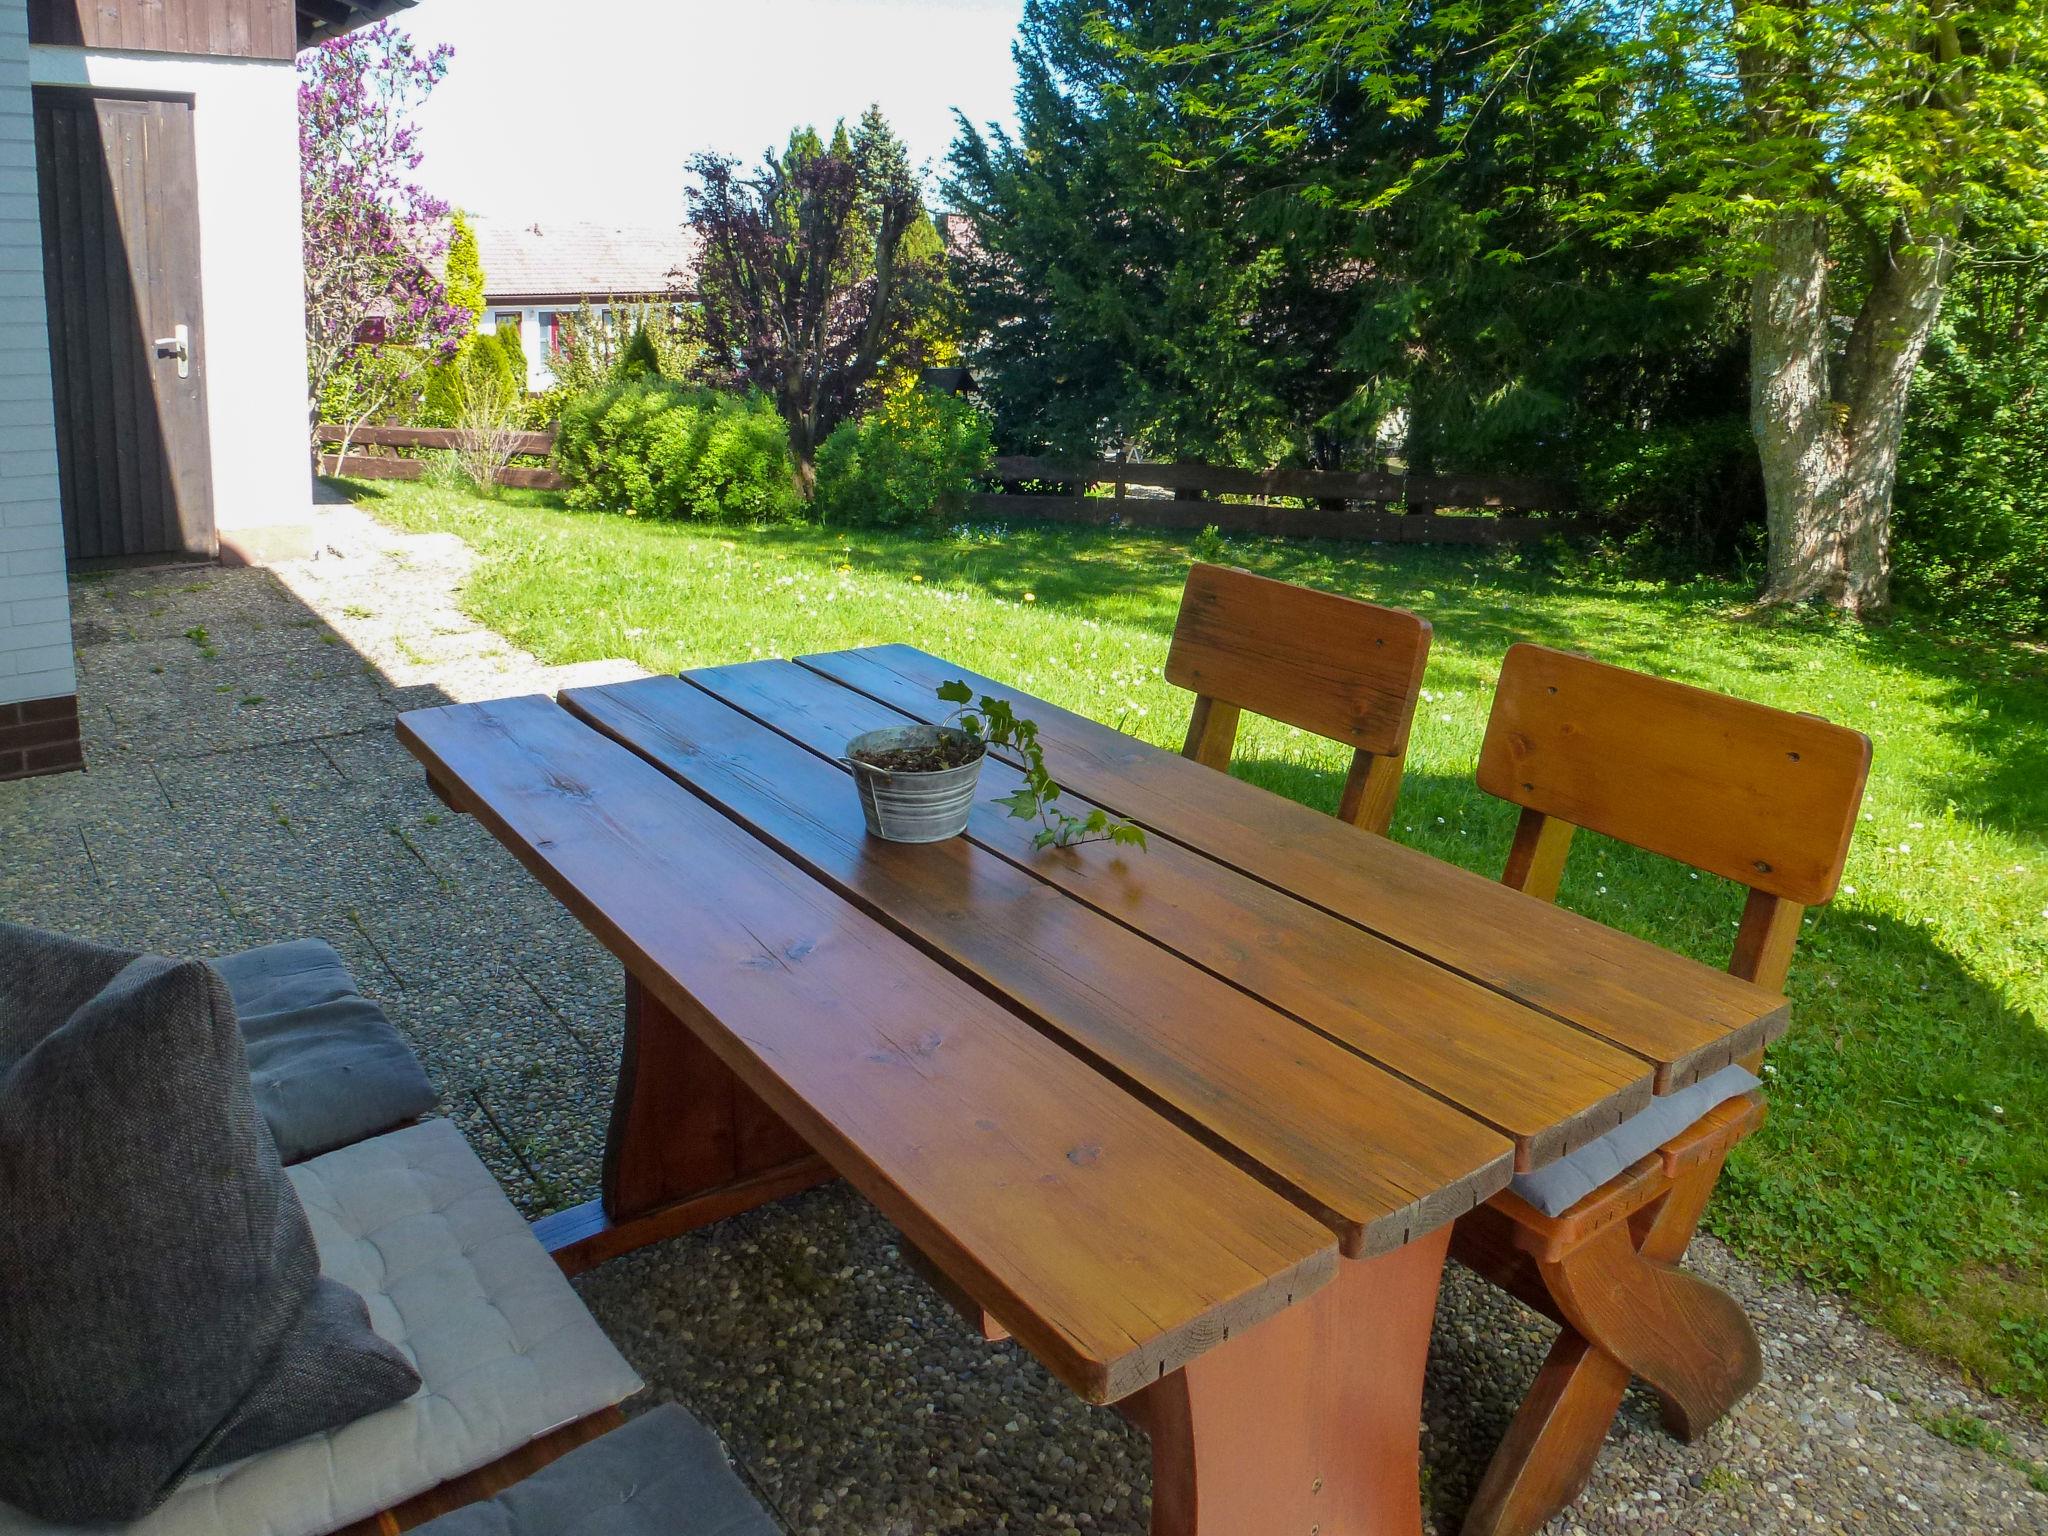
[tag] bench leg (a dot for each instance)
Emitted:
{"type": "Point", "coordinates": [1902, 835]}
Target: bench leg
{"type": "Point", "coordinates": [689, 1144]}
{"type": "Point", "coordinates": [1310, 1422]}
{"type": "Point", "coordinates": [1628, 1310]}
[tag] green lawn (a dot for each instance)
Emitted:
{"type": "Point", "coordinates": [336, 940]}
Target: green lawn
{"type": "Point", "coordinates": [1905, 1160]}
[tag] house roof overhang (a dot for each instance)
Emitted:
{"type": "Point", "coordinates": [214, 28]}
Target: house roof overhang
{"type": "Point", "coordinates": [320, 20]}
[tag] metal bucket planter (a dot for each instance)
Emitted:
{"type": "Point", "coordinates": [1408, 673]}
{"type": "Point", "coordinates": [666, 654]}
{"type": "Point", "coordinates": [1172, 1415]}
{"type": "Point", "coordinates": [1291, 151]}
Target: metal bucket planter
{"type": "Point", "coordinates": [913, 807]}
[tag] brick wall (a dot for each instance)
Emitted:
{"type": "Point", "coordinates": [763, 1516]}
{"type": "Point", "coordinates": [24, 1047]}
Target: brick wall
{"type": "Point", "coordinates": [35, 620]}
{"type": "Point", "coordinates": [39, 736]}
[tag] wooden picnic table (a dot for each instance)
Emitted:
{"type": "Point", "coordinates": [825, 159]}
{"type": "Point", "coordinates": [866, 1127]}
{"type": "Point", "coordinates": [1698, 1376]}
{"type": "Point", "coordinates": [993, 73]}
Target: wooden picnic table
{"type": "Point", "coordinates": [1190, 1123]}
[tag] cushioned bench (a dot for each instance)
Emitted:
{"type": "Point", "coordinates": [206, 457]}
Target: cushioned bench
{"type": "Point", "coordinates": [664, 1474]}
{"type": "Point", "coordinates": [1555, 1189]}
{"type": "Point", "coordinates": [505, 1351]}
{"type": "Point", "coordinates": [328, 1068]}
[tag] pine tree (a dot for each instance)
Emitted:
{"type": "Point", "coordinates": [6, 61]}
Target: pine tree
{"type": "Point", "coordinates": [465, 280]}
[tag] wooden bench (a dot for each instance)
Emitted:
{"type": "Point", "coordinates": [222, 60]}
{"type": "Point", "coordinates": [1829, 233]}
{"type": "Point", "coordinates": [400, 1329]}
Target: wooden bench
{"type": "Point", "coordinates": [1762, 797]}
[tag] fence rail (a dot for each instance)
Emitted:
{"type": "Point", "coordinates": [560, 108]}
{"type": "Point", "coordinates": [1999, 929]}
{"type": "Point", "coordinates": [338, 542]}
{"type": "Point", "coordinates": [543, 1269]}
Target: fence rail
{"type": "Point", "coordinates": [386, 466]}
{"type": "Point", "coordinates": [1336, 518]}
{"type": "Point", "coordinates": [541, 443]}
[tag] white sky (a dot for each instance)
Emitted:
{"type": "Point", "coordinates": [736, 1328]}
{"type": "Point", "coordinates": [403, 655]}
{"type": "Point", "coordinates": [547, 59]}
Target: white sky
{"type": "Point", "coordinates": [587, 109]}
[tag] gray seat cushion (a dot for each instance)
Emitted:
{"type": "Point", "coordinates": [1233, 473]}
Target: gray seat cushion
{"type": "Point", "coordinates": [1564, 1183]}
{"type": "Point", "coordinates": [161, 1304]}
{"type": "Point", "coordinates": [664, 1474]}
{"type": "Point", "coordinates": [328, 1067]}
{"type": "Point", "coordinates": [414, 1223]}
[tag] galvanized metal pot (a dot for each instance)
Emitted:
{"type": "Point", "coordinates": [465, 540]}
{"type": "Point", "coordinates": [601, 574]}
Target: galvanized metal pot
{"type": "Point", "coordinates": [913, 807]}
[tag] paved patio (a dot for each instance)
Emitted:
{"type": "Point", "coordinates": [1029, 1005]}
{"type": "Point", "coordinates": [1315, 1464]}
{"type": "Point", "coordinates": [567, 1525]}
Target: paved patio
{"type": "Point", "coordinates": [244, 786]}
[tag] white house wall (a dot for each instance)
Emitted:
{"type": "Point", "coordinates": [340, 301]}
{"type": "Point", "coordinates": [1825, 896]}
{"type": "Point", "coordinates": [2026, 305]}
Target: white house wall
{"type": "Point", "coordinates": [246, 143]}
{"type": "Point", "coordinates": [35, 611]}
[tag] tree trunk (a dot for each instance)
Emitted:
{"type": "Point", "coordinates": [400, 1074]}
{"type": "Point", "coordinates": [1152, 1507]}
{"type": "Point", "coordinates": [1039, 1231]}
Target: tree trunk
{"type": "Point", "coordinates": [803, 451]}
{"type": "Point", "coordinates": [1828, 440]}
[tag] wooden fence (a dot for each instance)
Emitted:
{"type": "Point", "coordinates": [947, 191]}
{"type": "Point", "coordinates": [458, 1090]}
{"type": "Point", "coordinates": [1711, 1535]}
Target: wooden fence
{"type": "Point", "coordinates": [1348, 505]}
{"type": "Point", "coordinates": [391, 466]}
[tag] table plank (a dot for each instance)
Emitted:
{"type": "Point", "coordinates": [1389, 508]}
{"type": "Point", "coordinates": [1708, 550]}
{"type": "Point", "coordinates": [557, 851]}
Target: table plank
{"type": "Point", "coordinates": [1545, 1083]}
{"type": "Point", "coordinates": [1686, 1018]}
{"type": "Point", "coordinates": [1375, 1158]}
{"type": "Point", "coordinates": [1109, 1242]}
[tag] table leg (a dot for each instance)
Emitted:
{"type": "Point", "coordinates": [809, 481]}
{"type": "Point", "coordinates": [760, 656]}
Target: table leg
{"type": "Point", "coordinates": [1310, 1423]}
{"type": "Point", "coordinates": [689, 1144]}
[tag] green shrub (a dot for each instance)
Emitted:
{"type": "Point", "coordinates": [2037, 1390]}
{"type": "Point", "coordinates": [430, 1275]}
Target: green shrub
{"type": "Point", "coordinates": [914, 461]}
{"type": "Point", "coordinates": [640, 360]}
{"type": "Point", "coordinates": [1972, 510]}
{"type": "Point", "coordinates": [492, 357]}
{"type": "Point", "coordinates": [651, 448]}
{"type": "Point", "coordinates": [1684, 493]}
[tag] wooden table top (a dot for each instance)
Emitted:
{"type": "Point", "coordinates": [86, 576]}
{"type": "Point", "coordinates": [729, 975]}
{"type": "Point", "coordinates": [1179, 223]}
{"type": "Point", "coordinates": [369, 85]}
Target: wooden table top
{"type": "Point", "coordinates": [1129, 1101]}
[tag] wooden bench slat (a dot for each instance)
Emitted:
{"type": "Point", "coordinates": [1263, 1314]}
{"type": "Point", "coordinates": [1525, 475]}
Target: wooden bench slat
{"type": "Point", "coordinates": [1109, 1242]}
{"type": "Point", "coordinates": [1375, 1158]}
{"type": "Point", "coordinates": [1549, 1085]}
{"type": "Point", "coordinates": [1686, 1018]}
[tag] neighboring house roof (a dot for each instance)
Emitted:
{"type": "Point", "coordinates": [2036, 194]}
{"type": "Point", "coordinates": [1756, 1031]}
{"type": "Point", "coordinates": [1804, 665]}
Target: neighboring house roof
{"type": "Point", "coordinates": [572, 262]}
{"type": "Point", "coordinates": [321, 19]}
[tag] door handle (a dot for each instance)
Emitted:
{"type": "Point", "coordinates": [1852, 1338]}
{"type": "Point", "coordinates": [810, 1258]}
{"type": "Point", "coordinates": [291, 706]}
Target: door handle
{"type": "Point", "coordinates": [178, 345]}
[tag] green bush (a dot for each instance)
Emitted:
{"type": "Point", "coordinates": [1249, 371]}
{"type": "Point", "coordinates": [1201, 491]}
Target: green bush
{"type": "Point", "coordinates": [651, 448]}
{"type": "Point", "coordinates": [913, 461]}
{"type": "Point", "coordinates": [1971, 538]}
{"type": "Point", "coordinates": [496, 355]}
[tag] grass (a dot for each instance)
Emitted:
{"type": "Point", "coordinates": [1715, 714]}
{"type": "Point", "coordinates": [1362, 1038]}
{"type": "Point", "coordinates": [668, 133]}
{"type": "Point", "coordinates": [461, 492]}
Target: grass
{"type": "Point", "coordinates": [1905, 1162]}
{"type": "Point", "coordinates": [1960, 1428]}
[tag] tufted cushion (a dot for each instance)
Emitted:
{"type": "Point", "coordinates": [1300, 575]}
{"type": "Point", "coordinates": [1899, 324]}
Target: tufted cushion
{"type": "Point", "coordinates": [327, 1066]}
{"type": "Point", "coordinates": [1563, 1184]}
{"type": "Point", "coordinates": [664, 1474]}
{"type": "Point", "coordinates": [454, 1278]}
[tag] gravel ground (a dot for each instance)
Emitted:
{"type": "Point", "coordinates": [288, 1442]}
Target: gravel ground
{"type": "Point", "coordinates": [245, 787]}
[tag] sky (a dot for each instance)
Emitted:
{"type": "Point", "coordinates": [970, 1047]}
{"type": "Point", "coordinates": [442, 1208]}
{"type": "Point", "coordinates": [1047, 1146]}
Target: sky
{"type": "Point", "coordinates": [586, 110]}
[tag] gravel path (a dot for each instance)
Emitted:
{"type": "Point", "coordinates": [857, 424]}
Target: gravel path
{"type": "Point", "coordinates": [245, 787]}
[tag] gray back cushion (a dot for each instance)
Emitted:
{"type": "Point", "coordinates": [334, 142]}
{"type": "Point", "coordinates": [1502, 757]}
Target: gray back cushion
{"type": "Point", "coordinates": [328, 1068]}
{"type": "Point", "coordinates": [156, 1268]}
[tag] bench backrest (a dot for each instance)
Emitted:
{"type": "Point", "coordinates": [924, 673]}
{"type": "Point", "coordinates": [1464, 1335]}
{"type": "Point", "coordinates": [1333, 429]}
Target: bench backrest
{"type": "Point", "coordinates": [1342, 668]}
{"type": "Point", "coordinates": [1761, 796]}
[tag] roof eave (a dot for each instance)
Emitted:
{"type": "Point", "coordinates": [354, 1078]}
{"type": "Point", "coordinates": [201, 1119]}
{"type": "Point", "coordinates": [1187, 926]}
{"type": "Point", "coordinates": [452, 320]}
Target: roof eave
{"type": "Point", "coordinates": [323, 20]}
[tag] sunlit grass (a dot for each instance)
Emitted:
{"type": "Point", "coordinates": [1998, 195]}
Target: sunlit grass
{"type": "Point", "coordinates": [1905, 1159]}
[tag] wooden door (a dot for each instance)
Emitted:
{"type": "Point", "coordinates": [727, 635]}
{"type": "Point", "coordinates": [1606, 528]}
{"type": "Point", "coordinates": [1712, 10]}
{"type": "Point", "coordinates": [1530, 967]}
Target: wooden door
{"type": "Point", "coordinates": [127, 356]}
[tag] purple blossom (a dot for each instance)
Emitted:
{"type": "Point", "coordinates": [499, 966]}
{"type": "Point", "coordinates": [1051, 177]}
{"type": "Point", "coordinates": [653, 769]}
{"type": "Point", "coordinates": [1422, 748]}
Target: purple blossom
{"type": "Point", "coordinates": [374, 239]}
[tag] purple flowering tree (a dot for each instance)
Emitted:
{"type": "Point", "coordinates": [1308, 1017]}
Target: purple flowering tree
{"type": "Point", "coordinates": [377, 310]}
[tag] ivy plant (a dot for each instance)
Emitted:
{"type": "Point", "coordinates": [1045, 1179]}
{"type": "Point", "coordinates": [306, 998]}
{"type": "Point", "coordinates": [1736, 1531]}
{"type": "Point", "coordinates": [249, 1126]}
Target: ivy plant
{"type": "Point", "coordinates": [995, 722]}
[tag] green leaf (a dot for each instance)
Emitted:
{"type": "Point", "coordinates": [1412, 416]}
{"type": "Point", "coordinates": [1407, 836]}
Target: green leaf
{"type": "Point", "coordinates": [956, 692]}
{"type": "Point", "coordinates": [1023, 804]}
